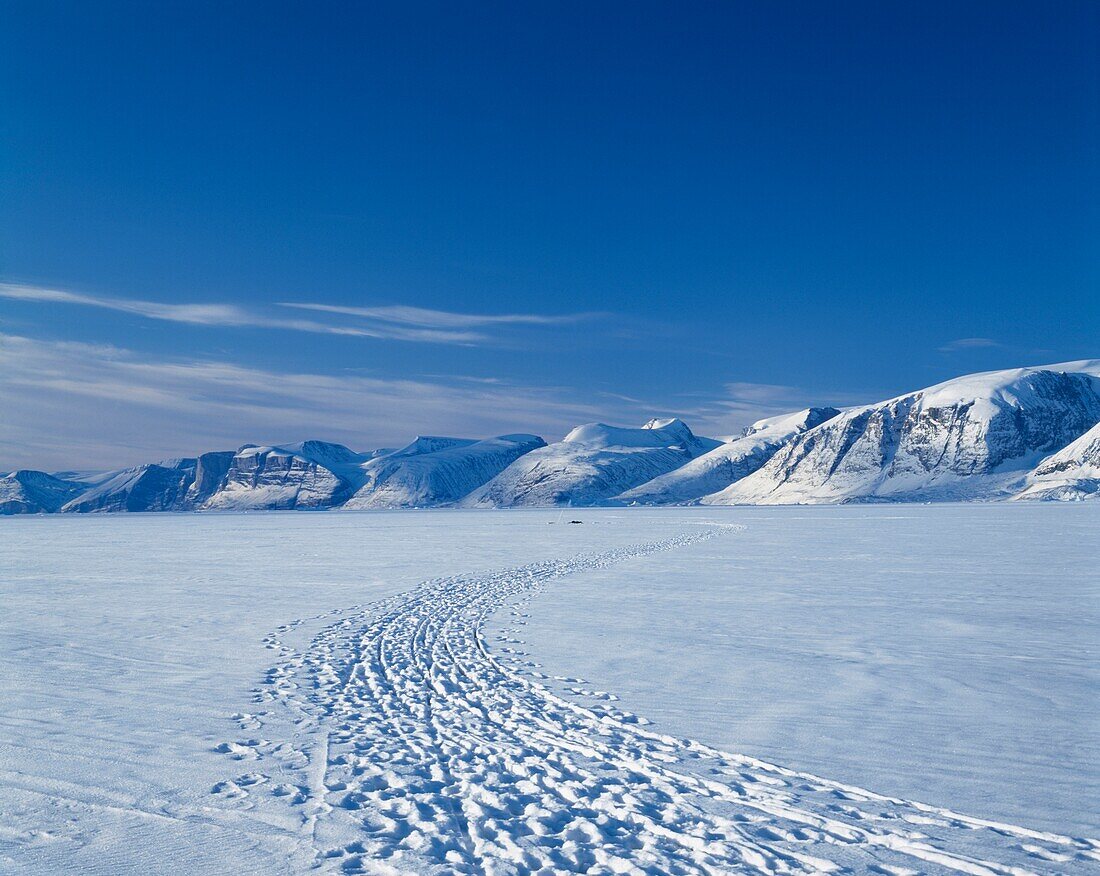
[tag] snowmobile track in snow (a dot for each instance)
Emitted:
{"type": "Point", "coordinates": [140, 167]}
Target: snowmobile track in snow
{"type": "Point", "coordinates": [425, 748]}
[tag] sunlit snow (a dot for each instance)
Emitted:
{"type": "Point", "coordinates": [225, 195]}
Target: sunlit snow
{"type": "Point", "coordinates": [683, 690]}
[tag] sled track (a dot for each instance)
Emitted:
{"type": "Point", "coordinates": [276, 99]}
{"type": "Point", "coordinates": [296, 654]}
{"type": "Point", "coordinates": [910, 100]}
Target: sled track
{"type": "Point", "coordinates": [422, 749]}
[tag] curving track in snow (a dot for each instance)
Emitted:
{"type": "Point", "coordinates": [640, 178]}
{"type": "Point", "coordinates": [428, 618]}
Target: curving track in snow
{"type": "Point", "coordinates": [423, 748]}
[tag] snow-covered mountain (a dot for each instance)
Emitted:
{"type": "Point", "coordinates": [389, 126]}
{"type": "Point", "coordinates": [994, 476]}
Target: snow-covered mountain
{"type": "Point", "coordinates": [34, 492]}
{"type": "Point", "coordinates": [592, 464]}
{"type": "Point", "coordinates": [1019, 433]}
{"type": "Point", "coordinates": [312, 474]}
{"type": "Point", "coordinates": [437, 471]}
{"type": "Point", "coordinates": [157, 486]}
{"type": "Point", "coordinates": [976, 437]}
{"type": "Point", "coordinates": [308, 475]}
{"type": "Point", "coordinates": [729, 462]}
{"type": "Point", "coordinates": [1070, 474]}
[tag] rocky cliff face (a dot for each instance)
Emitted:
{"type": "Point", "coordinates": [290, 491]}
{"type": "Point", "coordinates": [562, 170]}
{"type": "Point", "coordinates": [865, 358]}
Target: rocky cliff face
{"type": "Point", "coordinates": [313, 474]}
{"type": "Point", "coordinates": [972, 438]}
{"type": "Point", "coordinates": [211, 470]}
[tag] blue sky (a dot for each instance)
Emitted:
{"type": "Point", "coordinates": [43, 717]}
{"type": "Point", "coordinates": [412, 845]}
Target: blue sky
{"type": "Point", "coordinates": [518, 217]}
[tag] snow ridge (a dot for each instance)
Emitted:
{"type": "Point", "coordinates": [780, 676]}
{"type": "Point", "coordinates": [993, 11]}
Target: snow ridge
{"type": "Point", "coordinates": [437, 471]}
{"type": "Point", "coordinates": [592, 464]}
{"type": "Point", "coordinates": [34, 492]}
{"type": "Point", "coordinates": [158, 486]}
{"type": "Point", "coordinates": [722, 466]}
{"type": "Point", "coordinates": [422, 748]}
{"type": "Point", "coordinates": [431, 471]}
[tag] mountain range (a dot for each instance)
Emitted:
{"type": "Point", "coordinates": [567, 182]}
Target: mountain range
{"type": "Point", "coordinates": [1021, 434]}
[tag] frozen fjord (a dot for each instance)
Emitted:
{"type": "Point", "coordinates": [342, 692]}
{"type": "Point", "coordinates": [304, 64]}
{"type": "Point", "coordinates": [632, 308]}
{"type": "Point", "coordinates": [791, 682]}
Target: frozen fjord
{"type": "Point", "coordinates": [812, 639]}
{"type": "Point", "coordinates": [944, 653]}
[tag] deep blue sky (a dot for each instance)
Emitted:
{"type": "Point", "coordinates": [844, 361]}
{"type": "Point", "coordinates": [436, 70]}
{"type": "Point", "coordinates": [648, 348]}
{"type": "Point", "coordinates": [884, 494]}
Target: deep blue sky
{"type": "Point", "coordinates": [735, 207]}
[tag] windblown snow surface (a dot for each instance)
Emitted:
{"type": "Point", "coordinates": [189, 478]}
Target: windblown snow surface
{"type": "Point", "coordinates": [395, 693]}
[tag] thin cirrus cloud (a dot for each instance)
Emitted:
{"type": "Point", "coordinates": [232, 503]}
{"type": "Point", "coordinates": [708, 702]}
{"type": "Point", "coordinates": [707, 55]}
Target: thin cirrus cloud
{"type": "Point", "coordinates": [75, 405]}
{"type": "Point", "coordinates": [395, 322]}
{"type": "Point", "coordinates": [968, 344]}
{"type": "Point", "coordinates": [421, 316]}
{"type": "Point", "coordinates": [741, 404]}
{"type": "Point", "coordinates": [70, 404]}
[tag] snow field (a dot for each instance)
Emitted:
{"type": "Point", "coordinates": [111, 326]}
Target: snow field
{"type": "Point", "coordinates": [405, 727]}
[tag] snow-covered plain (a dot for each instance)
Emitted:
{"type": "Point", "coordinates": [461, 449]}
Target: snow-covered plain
{"type": "Point", "coordinates": [162, 709]}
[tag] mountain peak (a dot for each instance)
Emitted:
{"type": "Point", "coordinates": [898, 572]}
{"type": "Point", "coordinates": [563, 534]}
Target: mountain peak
{"type": "Point", "coordinates": [993, 435]}
{"type": "Point", "coordinates": [670, 423]}
{"type": "Point", "coordinates": [974, 437]}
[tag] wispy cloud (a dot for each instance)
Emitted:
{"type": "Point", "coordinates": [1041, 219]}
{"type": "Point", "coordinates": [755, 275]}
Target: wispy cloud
{"type": "Point", "coordinates": [69, 404]}
{"type": "Point", "coordinates": [968, 344]}
{"type": "Point", "coordinates": [72, 404]}
{"type": "Point", "coordinates": [395, 322]}
{"type": "Point", "coordinates": [743, 403]}
{"type": "Point", "coordinates": [421, 316]}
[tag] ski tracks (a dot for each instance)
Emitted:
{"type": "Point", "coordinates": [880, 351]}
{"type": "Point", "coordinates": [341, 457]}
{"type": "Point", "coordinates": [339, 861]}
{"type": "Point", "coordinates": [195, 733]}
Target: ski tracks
{"type": "Point", "coordinates": [420, 748]}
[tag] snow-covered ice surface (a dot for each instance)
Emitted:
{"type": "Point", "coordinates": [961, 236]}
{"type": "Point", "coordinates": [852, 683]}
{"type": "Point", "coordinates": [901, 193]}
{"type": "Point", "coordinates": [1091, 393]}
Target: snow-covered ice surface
{"type": "Point", "coordinates": [360, 691]}
{"type": "Point", "coordinates": [943, 653]}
